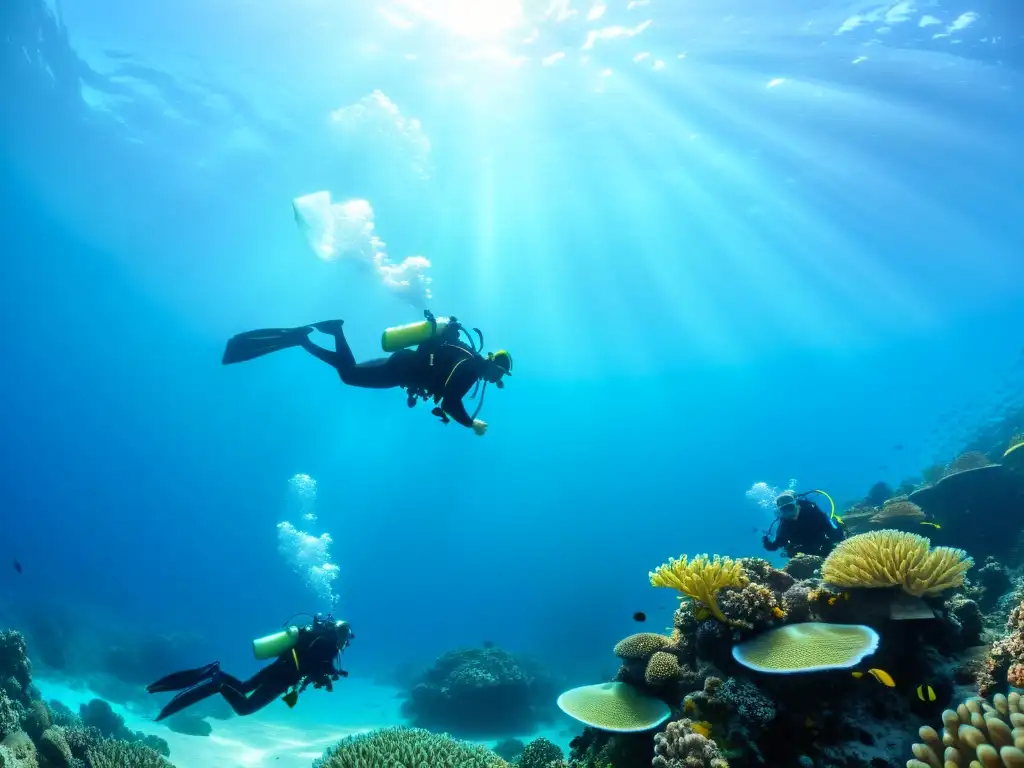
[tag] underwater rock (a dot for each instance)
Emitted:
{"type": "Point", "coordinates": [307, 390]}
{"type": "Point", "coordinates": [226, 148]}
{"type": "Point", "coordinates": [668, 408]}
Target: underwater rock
{"type": "Point", "coordinates": [189, 724]}
{"type": "Point", "coordinates": [15, 667]}
{"type": "Point", "coordinates": [510, 749]}
{"type": "Point", "coordinates": [880, 493]}
{"type": "Point", "coordinates": [480, 691]}
{"type": "Point", "coordinates": [803, 566]}
{"type": "Point", "coordinates": [965, 619]}
{"type": "Point", "coordinates": [599, 749]}
{"type": "Point", "coordinates": [994, 580]}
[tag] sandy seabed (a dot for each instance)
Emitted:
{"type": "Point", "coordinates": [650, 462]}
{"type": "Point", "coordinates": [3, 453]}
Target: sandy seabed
{"type": "Point", "coordinates": [276, 737]}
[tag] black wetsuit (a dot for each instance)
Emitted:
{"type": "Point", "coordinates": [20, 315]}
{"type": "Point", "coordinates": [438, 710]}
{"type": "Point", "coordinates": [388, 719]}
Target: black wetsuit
{"type": "Point", "coordinates": [810, 533]}
{"type": "Point", "coordinates": [444, 370]}
{"type": "Point", "coordinates": [311, 662]}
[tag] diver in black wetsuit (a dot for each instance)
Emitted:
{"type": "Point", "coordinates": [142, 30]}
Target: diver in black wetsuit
{"type": "Point", "coordinates": [804, 527]}
{"type": "Point", "coordinates": [444, 368]}
{"type": "Point", "coordinates": [311, 660]}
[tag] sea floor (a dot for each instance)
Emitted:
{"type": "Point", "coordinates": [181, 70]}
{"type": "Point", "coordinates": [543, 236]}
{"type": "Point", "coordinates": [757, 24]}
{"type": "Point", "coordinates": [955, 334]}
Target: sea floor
{"type": "Point", "coordinates": [276, 737]}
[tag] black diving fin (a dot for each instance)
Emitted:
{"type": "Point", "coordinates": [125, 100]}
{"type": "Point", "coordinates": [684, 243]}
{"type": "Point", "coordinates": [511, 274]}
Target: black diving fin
{"type": "Point", "coordinates": [253, 344]}
{"type": "Point", "coordinates": [290, 698]}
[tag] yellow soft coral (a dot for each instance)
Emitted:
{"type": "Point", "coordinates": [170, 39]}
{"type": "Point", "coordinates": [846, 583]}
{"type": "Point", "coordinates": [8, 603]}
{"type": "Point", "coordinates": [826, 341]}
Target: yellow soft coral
{"type": "Point", "coordinates": [895, 558]}
{"type": "Point", "coordinates": [700, 579]}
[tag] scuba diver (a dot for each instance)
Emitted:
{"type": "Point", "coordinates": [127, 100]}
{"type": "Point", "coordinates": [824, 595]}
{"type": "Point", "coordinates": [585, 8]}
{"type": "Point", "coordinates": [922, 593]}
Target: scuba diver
{"type": "Point", "coordinates": [803, 526]}
{"type": "Point", "coordinates": [304, 656]}
{"type": "Point", "coordinates": [443, 367]}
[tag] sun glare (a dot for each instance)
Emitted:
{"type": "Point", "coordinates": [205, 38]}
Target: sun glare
{"type": "Point", "coordinates": [471, 19]}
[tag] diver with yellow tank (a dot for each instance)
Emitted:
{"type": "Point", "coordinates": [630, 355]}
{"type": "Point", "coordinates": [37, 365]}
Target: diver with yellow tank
{"type": "Point", "coordinates": [444, 366]}
{"type": "Point", "coordinates": [305, 656]}
{"type": "Point", "coordinates": [803, 526]}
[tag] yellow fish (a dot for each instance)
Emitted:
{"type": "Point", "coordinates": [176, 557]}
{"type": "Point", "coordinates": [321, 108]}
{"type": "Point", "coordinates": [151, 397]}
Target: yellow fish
{"type": "Point", "coordinates": [883, 677]}
{"type": "Point", "coordinates": [832, 600]}
{"type": "Point", "coordinates": [925, 693]}
{"type": "Point", "coordinates": [846, 595]}
{"type": "Point", "coordinates": [936, 526]}
{"type": "Point", "coordinates": [880, 675]}
{"type": "Point", "coordinates": [701, 613]}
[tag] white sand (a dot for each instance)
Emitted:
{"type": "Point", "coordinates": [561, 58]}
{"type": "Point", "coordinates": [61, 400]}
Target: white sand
{"type": "Point", "coordinates": [276, 737]}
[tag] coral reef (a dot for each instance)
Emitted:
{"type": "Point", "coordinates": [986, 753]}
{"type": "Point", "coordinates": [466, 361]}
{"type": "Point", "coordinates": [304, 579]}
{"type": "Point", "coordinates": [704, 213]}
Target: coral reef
{"type": "Point", "coordinates": [35, 735]}
{"type": "Point", "coordinates": [480, 691]}
{"type": "Point", "coordinates": [682, 745]}
{"type": "Point", "coordinates": [1005, 663]}
{"type": "Point", "coordinates": [700, 579]}
{"type": "Point", "coordinates": [407, 747]}
{"type": "Point", "coordinates": [539, 753]}
{"type": "Point", "coordinates": [977, 733]}
{"type": "Point", "coordinates": [882, 559]}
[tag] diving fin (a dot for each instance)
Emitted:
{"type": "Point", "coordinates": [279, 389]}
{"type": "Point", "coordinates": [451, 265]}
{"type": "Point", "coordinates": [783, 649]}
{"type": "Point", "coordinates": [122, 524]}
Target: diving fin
{"type": "Point", "coordinates": [186, 679]}
{"type": "Point", "coordinates": [253, 344]}
{"type": "Point", "coordinates": [290, 698]}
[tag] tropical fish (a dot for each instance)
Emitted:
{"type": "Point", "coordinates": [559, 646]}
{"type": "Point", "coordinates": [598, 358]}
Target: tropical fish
{"type": "Point", "coordinates": [639, 616]}
{"type": "Point", "coordinates": [880, 675]}
{"type": "Point", "coordinates": [925, 693]}
{"type": "Point", "coordinates": [17, 566]}
{"type": "Point", "coordinates": [936, 526]}
{"type": "Point", "coordinates": [883, 677]}
{"type": "Point", "coordinates": [701, 613]}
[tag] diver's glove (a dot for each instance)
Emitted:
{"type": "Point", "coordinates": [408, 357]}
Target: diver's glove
{"type": "Point", "coordinates": [479, 427]}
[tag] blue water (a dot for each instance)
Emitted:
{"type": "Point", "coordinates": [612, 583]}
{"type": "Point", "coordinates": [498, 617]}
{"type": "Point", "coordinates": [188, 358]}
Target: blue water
{"type": "Point", "coordinates": [738, 244]}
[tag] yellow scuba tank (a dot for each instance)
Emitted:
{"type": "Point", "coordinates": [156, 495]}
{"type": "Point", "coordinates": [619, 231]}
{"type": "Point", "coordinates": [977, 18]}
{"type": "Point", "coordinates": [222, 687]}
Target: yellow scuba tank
{"type": "Point", "coordinates": [274, 645]}
{"type": "Point", "coordinates": [403, 336]}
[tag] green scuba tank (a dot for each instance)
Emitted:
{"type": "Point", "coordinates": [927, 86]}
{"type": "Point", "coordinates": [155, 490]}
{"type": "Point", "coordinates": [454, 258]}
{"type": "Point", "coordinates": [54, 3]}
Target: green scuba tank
{"type": "Point", "coordinates": [412, 334]}
{"type": "Point", "coordinates": [274, 645]}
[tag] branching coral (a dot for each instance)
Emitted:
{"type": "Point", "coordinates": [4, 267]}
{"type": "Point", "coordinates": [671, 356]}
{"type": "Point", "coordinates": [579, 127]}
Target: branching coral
{"type": "Point", "coordinates": [701, 579]}
{"type": "Point", "coordinates": [976, 734]}
{"type": "Point", "coordinates": [407, 746]}
{"type": "Point", "coordinates": [121, 754]}
{"type": "Point", "coordinates": [888, 558]}
{"type": "Point", "coordinates": [683, 746]}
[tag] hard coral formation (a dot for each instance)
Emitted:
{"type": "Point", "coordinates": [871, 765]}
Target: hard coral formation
{"type": "Point", "coordinates": [480, 690]}
{"type": "Point", "coordinates": [966, 462]}
{"type": "Point", "coordinates": [807, 647]}
{"type": "Point", "coordinates": [539, 753]}
{"type": "Point", "coordinates": [898, 511]}
{"type": "Point", "coordinates": [1006, 654]}
{"type": "Point", "coordinates": [614, 707]}
{"type": "Point", "coordinates": [640, 645]}
{"type": "Point", "coordinates": [120, 754]}
{"type": "Point", "coordinates": [407, 747]}
{"type": "Point", "coordinates": [750, 607]}
{"type": "Point", "coordinates": [683, 746]}
{"type": "Point", "coordinates": [700, 579]}
{"type": "Point", "coordinates": [977, 733]}
{"type": "Point", "coordinates": [881, 559]}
